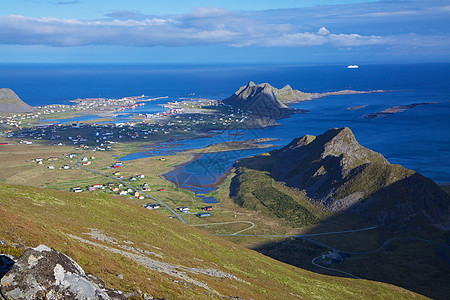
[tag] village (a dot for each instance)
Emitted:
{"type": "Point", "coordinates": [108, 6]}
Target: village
{"type": "Point", "coordinates": [123, 183]}
{"type": "Point", "coordinates": [181, 120]}
{"type": "Point", "coordinates": [90, 105]}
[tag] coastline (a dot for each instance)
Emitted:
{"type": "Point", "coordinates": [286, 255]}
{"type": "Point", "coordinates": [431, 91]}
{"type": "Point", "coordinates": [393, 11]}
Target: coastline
{"type": "Point", "coordinates": [257, 143]}
{"type": "Point", "coordinates": [194, 157]}
{"type": "Point", "coordinates": [315, 96]}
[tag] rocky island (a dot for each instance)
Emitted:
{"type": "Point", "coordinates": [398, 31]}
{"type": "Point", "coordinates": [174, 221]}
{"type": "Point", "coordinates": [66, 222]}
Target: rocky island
{"type": "Point", "coordinates": [259, 100]}
{"type": "Point", "coordinates": [266, 104]}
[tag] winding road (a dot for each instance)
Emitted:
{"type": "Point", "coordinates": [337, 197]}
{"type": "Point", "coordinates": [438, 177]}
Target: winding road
{"type": "Point", "coordinates": [233, 222]}
{"type": "Point", "coordinates": [252, 225]}
{"type": "Point", "coordinates": [331, 269]}
{"type": "Point", "coordinates": [373, 251]}
{"type": "Point", "coordinates": [299, 235]}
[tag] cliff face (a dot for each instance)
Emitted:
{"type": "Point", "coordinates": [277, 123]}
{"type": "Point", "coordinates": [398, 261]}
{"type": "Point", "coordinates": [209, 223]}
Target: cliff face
{"type": "Point", "coordinates": [11, 103]}
{"type": "Point", "coordinates": [339, 174]}
{"type": "Point", "coordinates": [259, 100]}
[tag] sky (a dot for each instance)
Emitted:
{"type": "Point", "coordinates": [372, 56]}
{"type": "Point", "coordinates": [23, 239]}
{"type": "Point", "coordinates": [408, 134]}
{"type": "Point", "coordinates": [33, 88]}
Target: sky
{"type": "Point", "coordinates": [224, 32]}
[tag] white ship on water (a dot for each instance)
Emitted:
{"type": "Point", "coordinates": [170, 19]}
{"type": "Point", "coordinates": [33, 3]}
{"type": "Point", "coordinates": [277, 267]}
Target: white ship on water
{"type": "Point", "coordinates": [352, 67]}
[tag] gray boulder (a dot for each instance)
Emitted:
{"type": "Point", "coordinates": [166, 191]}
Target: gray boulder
{"type": "Point", "coordinates": [44, 273]}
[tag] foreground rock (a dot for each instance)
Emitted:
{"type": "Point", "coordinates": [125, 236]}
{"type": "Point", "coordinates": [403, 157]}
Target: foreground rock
{"type": "Point", "coordinates": [44, 273]}
{"type": "Point", "coordinates": [11, 103]}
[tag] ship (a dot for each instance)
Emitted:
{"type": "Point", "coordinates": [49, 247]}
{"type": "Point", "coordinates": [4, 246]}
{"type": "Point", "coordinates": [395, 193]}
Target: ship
{"type": "Point", "coordinates": [352, 67]}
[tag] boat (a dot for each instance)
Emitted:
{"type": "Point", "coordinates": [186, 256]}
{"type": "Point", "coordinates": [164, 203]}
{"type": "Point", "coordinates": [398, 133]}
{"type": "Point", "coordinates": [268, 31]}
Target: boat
{"type": "Point", "coordinates": [352, 67]}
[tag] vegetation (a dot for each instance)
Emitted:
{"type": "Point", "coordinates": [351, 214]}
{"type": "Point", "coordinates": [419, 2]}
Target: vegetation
{"type": "Point", "coordinates": [254, 189]}
{"type": "Point", "coordinates": [66, 222]}
{"type": "Point", "coordinates": [57, 218]}
{"type": "Point", "coordinates": [334, 167]}
{"type": "Point", "coordinates": [285, 207]}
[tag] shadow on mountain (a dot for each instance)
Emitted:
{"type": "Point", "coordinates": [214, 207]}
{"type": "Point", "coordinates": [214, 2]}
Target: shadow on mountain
{"type": "Point", "coordinates": [361, 189]}
{"type": "Point", "coordinates": [410, 263]}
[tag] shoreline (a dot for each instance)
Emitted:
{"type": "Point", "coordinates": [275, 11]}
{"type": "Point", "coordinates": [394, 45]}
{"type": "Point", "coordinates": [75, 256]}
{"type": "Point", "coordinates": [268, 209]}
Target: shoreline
{"type": "Point", "coordinates": [194, 157]}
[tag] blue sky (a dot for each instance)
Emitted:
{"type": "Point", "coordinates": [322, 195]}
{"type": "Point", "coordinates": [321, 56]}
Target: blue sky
{"type": "Point", "coordinates": [210, 31]}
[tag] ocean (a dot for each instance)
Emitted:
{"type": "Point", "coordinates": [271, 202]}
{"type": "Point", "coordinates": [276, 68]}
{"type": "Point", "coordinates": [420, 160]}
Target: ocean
{"type": "Point", "coordinates": [417, 138]}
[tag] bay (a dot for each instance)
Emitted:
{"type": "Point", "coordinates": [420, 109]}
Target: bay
{"type": "Point", "coordinates": [417, 138]}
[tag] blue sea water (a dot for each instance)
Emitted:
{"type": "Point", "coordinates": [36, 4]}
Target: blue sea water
{"type": "Point", "coordinates": [418, 138]}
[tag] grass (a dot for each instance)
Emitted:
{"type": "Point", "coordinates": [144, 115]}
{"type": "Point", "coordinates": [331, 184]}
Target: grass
{"type": "Point", "coordinates": [33, 216]}
{"type": "Point", "coordinates": [255, 190]}
{"type": "Point", "coordinates": [284, 206]}
{"type": "Point", "coordinates": [121, 216]}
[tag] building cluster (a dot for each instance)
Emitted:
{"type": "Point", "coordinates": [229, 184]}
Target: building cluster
{"type": "Point", "coordinates": [206, 211]}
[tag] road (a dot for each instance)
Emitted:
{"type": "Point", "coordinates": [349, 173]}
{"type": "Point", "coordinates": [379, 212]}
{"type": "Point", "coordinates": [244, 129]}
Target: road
{"type": "Point", "coordinates": [130, 186]}
{"type": "Point", "coordinates": [233, 222]}
{"type": "Point", "coordinates": [331, 269]}
{"type": "Point", "coordinates": [301, 235]}
{"type": "Point", "coordinates": [373, 251]}
{"type": "Point", "coordinates": [305, 237]}
{"type": "Point", "coordinates": [252, 225]}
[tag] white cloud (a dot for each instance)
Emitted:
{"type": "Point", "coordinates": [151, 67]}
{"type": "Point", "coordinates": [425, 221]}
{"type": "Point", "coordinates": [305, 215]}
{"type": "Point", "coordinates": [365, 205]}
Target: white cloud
{"type": "Point", "coordinates": [323, 31]}
{"type": "Point", "coordinates": [301, 39]}
{"type": "Point", "coordinates": [165, 32]}
{"type": "Point", "coordinates": [210, 25]}
{"type": "Point", "coordinates": [354, 40]}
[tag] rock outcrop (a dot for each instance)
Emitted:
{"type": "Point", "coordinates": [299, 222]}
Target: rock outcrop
{"type": "Point", "coordinates": [336, 172]}
{"type": "Point", "coordinates": [287, 94]}
{"type": "Point", "coordinates": [11, 103]}
{"type": "Point", "coordinates": [44, 273]}
{"type": "Point", "coordinates": [258, 100]}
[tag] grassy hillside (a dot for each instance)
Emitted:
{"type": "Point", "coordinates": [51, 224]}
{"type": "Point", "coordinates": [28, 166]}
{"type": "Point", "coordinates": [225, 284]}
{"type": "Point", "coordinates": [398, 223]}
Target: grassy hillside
{"type": "Point", "coordinates": [255, 190]}
{"type": "Point", "coordinates": [108, 237]}
{"type": "Point", "coordinates": [338, 174]}
{"type": "Point", "coordinates": [331, 183]}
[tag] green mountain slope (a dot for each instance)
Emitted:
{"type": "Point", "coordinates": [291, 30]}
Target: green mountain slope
{"type": "Point", "coordinates": [161, 257]}
{"type": "Point", "coordinates": [337, 174]}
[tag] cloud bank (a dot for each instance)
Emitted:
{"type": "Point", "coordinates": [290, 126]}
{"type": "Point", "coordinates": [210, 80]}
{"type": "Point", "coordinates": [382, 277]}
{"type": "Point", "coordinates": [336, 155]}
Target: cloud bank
{"type": "Point", "coordinates": [370, 24]}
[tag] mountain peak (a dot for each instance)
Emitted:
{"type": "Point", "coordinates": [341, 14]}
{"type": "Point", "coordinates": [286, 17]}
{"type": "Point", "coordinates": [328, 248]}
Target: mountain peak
{"type": "Point", "coordinates": [337, 173]}
{"type": "Point", "coordinates": [259, 99]}
{"type": "Point", "coordinates": [335, 142]}
{"type": "Point", "coordinates": [11, 103]}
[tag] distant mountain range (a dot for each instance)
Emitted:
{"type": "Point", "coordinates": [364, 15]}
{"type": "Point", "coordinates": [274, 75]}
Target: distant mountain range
{"type": "Point", "coordinates": [335, 172]}
{"type": "Point", "coordinates": [11, 103]}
